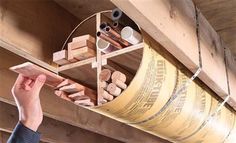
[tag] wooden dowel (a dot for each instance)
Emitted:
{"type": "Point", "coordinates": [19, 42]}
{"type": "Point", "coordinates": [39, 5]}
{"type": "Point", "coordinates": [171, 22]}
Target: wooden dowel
{"type": "Point", "coordinates": [103, 84]}
{"type": "Point", "coordinates": [119, 75]}
{"type": "Point", "coordinates": [119, 83]}
{"type": "Point", "coordinates": [113, 89]}
{"type": "Point", "coordinates": [116, 67]}
{"type": "Point", "coordinates": [106, 95]}
{"type": "Point", "coordinates": [105, 75]}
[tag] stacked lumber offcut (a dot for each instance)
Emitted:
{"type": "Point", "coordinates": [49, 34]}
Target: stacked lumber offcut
{"type": "Point", "coordinates": [81, 48]}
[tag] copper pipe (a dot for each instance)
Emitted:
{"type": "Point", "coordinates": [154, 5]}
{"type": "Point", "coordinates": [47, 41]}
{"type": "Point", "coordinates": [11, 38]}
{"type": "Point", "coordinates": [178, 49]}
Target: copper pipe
{"type": "Point", "coordinates": [112, 32]}
{"type": "Point", "coordinates": [108, 39]}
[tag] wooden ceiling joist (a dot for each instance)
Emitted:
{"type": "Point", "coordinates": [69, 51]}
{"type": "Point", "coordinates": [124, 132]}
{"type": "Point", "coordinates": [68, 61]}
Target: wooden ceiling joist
{"type": "Point", "coordinates": [173, 25]}
{"type": "Point", "coordinates": [52, 131]}
{"type": "Point", "coordinates": [34, 29]}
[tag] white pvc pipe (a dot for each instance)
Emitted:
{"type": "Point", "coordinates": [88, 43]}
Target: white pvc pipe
{"type": "Point", "coordinates": [105, 46]}
{"type": "Point", "coordinates": [130, 35]}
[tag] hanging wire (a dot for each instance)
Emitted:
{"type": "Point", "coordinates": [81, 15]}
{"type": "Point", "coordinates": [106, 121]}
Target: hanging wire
{"type": "Point", "coordinates": [73, 31]}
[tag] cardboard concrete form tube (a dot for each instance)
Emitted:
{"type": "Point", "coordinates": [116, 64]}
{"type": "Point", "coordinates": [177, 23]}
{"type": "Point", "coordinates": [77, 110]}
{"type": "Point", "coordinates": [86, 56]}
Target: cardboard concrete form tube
{"type": "Point", "coordinates": [143, 104]}
{"type": "Point", "coordinates": [232, 136]}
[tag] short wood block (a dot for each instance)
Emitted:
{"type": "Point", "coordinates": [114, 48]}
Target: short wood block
{"type": "Point", "coordinates": [80, 44]}
{"type": "Point", "coordinates": [83, 38]}
{"type": "Point", "coordinates": [60, 57]}
{"type": "Point", "coordinates": [83, 53]}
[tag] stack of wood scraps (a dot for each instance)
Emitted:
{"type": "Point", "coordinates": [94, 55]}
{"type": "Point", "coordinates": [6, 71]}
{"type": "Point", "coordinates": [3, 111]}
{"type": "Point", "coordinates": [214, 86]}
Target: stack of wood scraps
{"type": "Point", "coordinates": [81, 48]}
{"type": "Point", "coordinates": [64, 88]}
{"type": "Point", "coordinates": [112, 84]}
{"type": "Point", "coordinates": [77, 93]}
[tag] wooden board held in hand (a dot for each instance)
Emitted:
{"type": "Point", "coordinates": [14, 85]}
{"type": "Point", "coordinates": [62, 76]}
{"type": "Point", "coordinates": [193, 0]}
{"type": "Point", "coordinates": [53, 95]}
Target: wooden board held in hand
{"type": "Point", "coordinates": [32, 71]}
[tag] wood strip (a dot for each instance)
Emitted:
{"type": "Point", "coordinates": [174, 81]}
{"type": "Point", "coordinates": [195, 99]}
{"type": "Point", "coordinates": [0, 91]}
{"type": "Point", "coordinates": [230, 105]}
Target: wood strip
{"type": "Point", "coordinates": [33, 71]}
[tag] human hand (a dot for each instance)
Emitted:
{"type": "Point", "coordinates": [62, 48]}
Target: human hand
{"type": "Point", "coordinates": [26, 94]}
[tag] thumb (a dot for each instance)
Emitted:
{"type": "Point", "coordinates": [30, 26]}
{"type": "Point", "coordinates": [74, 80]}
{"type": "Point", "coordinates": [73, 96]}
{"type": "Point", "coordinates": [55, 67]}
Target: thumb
{"type": "Point", "coordinates": [39, 82]}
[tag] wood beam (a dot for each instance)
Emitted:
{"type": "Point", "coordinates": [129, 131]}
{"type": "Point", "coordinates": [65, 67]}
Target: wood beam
{"type": "Point", "coordinates": [67, 112]}
{"type": "Point", "coordinates": [34, 29]}
{"type": "Point", "coordinates": [173, 24]}
{"type": "Point", "coordinates": [52, 131]}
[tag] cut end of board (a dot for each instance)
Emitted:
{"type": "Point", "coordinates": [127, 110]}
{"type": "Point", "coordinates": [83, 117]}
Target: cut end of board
{"type": "Point", "coordinates": [32, 71]}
